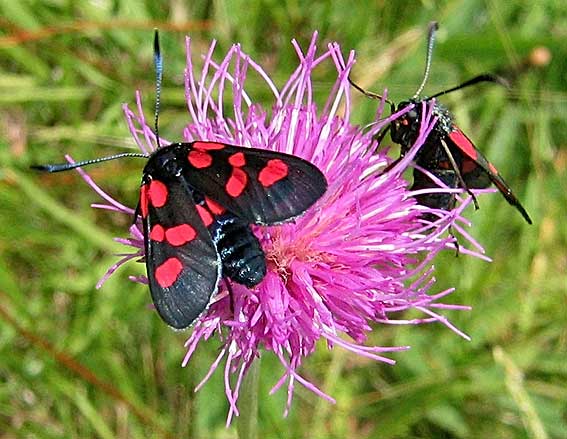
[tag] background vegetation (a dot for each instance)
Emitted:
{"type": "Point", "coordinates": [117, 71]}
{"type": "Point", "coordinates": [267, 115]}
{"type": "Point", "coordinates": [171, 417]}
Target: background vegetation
{"type": "Point", "coordinates": [80, 362]}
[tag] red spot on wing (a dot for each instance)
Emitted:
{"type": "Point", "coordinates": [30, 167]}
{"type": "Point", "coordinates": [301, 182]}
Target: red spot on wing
{"type": "Point", "coordinates": [463, 143]}
{"type": "Point", "coordinates": [214, 207]}
{"type": "Point", "coordinates": [157, 233]}
{"type": "Point", "coordinates": [157, 193]}
{"type": "Point", "coordinates": [180, 235]}
{"type": "Point", "coordinates": [168, 272]}
{"type": "Point", "coordinates": [237, 160]}
{"type": "Point", "coordinates": [204, 146]}
{"type": "Point", "coordinates": [205, 215]}
{"type": "Point", "coordinates": [274, 171]}
{"type": "Point", "coordinates": [236, 183]}
{"type": "Point", "coordinates": [199, 159]}
{"type": "Point", "coordinates": [144, 200]}
{"type": "Point", "coordinates": [492, 168]}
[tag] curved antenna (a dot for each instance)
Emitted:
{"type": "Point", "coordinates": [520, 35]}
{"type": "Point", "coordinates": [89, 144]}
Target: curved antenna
{"type": "Point", "coordinates": [433, 26]}
{"type": "Point", "coordinates": [369, 94]}
{"type": "Point", "coordinates": [485, 77]}
{"type": "Point", "coordinates": [158, 63]}
{"type": "Point", "coordinates": [67, 166]}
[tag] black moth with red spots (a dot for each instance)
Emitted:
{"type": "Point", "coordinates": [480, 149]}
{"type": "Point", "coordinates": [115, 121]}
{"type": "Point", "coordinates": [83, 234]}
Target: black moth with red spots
{"type": "Point", "coordinates": [197, 202]}
{"type": "Point", "coordinates": [448, 154]}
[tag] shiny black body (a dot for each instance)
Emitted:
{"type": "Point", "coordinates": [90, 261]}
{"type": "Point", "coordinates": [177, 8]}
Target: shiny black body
{"type": "Point", "coordinates": [242, 257]}
{"type": "Point", "coordinates": [437, 200]}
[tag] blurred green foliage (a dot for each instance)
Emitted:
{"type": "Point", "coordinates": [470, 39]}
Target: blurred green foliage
{"type": "Point", "coordinates": [80, 362]}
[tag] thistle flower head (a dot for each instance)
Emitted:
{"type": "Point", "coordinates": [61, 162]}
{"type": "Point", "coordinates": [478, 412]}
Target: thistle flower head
{"type": "Point", "coordinates": [359, 257]}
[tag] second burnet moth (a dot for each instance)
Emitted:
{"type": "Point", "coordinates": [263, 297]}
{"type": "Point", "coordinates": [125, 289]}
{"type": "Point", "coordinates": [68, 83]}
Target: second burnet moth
{"type": "Point", "coordinates": [197, 202]}
{"type": "Point", "coordinates": [447, 154]}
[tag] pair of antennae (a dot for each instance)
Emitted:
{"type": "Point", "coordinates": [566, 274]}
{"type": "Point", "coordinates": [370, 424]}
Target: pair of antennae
{"type": "Point", "coordinates": [432, 29]}
{"type": "Point", "coordinates": [158, 62]}
{"type": "Point", "coordinates": [485, 77]}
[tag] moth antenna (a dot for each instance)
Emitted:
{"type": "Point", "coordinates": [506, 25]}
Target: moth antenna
{"type": "Point", "coordinates": [59, 167]}
{"type": "Point", "coordinates": [67, 166]}
{"type": "Point", "coordinates": [368, 94]}
{"type": "Point", "coordinates": [158, 62]}
{"type": "Point", "coordinates": [485, 77]}
{"type": "Point", "coordinates": [433, 26]}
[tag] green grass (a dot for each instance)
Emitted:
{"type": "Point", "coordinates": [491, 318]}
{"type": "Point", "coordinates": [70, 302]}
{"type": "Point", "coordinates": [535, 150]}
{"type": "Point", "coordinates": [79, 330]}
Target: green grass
{"type": "Point", "coordinates": [80, 362]}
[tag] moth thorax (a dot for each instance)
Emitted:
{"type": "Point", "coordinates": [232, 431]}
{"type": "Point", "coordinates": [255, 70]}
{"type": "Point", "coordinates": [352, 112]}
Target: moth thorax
{"type": "Point", "coordinates": [444, 118]}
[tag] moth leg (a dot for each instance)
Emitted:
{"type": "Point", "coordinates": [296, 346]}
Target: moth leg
{"type": "Point", "coordinates": [455, 242]}
{"type": "Point", "coordinates": [458, 174]}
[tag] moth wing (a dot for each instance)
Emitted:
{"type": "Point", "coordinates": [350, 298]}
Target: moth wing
{"type": "Point", "coordinates": [257, 185]}
{"type": "Point", "coordinates": [182, 262]}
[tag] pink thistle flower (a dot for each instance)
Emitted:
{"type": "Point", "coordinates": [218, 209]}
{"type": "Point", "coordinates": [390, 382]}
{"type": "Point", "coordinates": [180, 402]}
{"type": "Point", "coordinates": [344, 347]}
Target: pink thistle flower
{"type": "Point", "coordinates": [361, 255]}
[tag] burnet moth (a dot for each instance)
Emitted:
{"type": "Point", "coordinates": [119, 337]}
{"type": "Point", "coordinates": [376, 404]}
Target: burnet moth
{"type": "Point", "coordinates": [448, 154]}
{"type": "Point", "coordinates": [197, 202]}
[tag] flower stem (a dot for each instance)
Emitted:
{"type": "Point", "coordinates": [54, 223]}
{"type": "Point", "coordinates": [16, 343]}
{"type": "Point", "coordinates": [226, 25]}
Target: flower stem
{"type": "Point", "coordinates": [247, 425]}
